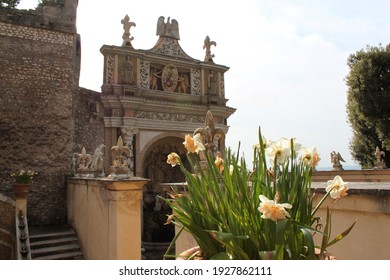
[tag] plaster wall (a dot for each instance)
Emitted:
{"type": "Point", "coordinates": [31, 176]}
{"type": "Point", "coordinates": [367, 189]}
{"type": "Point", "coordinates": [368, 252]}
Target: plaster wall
{"type": "Point", "coordinates": [369, 205]}
{"type": "Point", "coordinates": [106, 215]}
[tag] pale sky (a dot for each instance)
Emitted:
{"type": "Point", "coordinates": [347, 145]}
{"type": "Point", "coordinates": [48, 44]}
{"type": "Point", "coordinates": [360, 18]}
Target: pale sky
{"type": "Point", "coordinates": [287, 59]}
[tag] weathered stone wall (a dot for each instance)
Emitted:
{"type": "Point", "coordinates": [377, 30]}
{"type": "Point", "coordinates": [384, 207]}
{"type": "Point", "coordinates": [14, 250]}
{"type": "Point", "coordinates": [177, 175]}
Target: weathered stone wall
{"type": "Point", "coordinates": [7, 227]}
{"type": "Point", "coordinates": [38, 82]}
{"type": "Point", "coordinates": [88, 121]}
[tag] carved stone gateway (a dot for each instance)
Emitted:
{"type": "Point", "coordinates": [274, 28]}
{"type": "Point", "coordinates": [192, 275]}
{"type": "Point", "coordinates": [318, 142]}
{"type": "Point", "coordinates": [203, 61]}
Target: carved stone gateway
{"type": "Point", "coordinates": [161, 92]}
{"type": "Point", "coordinates": [151, 99]}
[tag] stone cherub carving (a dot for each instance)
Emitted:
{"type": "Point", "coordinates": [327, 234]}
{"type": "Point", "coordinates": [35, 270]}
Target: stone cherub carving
{"type": "Point", "coordinates": [127, 24]}
{"type": "Point", "coordinates": [336, 159]}
{"type": "Point", "coordinates": [380, 159]}
{"type": "Point", "coordinates": [168, 29]}
{"type": "Point", "coordinates": [207, 45]}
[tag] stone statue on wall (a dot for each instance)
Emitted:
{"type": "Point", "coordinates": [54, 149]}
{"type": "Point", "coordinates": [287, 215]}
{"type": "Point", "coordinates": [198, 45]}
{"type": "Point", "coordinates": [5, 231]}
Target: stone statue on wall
{"type": "Point", "coordinates": [207, 45]}
{"type": "Point", "coordinates": [127, 24]}
{"type": "Point", "coordinates": [119, 168]}
{"type": "Point", "coordinates": [336, 160]}
{"type": "Point", "coordinates": [83, 158]}
{"type": "Point", "coordinates": [128, 71]}
{"type": "Point", "coordinates": [380, 159]}
{"type": "Point", "coordinates": [95, 164]}
{"type": "Point", "coordinates": [168, 29]}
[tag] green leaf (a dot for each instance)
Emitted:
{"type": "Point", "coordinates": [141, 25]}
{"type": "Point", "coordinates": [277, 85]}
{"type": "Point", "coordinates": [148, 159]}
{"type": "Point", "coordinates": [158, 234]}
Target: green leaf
{"type": "Point", "coordinates": [309, 242]}
{"type": "Point", "coordinates": [279, 245]}
{"type": "Point", "coordinates": [220, 256]}
{"type": "Point", "coordinates": [341, 235]}
{"type": "Point", "coordinates": [225, 237]}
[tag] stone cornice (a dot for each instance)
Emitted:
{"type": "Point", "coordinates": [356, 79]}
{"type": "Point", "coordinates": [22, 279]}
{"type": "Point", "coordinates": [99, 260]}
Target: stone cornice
{"type": "Point", "coordinates": [161, 125]}
{"type": "Point", "coordinates": [153, 105]}
{"type": "Point", "coordinates": [149, 55]}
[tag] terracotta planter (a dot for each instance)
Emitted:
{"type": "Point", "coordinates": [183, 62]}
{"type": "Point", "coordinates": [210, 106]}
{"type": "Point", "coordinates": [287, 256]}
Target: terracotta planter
{"type": "Point", "coordinates": [21, 190]}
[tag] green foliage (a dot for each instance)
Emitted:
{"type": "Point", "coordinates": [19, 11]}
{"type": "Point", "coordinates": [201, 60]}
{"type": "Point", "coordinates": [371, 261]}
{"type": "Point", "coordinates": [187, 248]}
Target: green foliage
{"type": "Point", "coordinates": [54, 3]}
{"type": "Point", "coordinates": [9, 3]}
{"type": "Point", "coordinates": [368, 104]}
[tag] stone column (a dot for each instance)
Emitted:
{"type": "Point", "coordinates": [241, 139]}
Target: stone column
{"type": "Point", "coordinates": [125, 220]}
{"type": "Point", "coordinates": [128, 136]}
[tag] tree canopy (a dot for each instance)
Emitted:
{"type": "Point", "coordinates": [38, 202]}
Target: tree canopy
{"type": "Point", "coordinates": [368, 105]}
{"type": "Point", "coordinates": [9, 3]}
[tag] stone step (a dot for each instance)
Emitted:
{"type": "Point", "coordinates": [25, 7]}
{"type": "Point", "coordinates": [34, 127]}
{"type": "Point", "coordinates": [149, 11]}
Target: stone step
{"type": "Point", "coordinates": [54, 243]}
{"type": "Point", "coordinates": [41, 243]}
{"type": "Point", "coordinates": [54, 250]}
{"type": "Point", "coordinates": [63, 256]}
{"type": "Point", "coordinates": [52, 235]}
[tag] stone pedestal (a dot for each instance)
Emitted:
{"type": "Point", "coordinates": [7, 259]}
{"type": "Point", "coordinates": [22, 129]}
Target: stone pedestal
{"type": "Point", "coordinates": [21, 192]}
{"type": "Point", "coordinates": [106, 215]}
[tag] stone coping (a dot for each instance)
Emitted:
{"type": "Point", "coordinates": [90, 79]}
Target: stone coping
{"type": "Point", "coordinates": [7, 200]}
{"type": "Point", "coordinates": [359, 188]}
{"type": "Point", "coordinates": [105, 179]}
{"type": "Point", "coordinates": [355, 188]}
{"type": "Point", "coordinates": [363, 175]}
{"type": "Point", "coordinates": [114, 184]}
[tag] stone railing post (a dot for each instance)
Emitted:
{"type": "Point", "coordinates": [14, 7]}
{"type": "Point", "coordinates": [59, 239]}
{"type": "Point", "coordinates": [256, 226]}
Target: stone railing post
{"type": "Point", "coordinates": [106, 214]}
{"type": "Point", "coordinates": [125, 220]}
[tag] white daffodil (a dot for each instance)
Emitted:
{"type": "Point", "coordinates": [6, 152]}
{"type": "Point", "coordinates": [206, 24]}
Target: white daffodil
{"type": "Point", "coordinates": [193, 145]}
{"type": "Point", "coordinates": [337, 187]}
{"type": "Point", "coordinates": [273, 210]}
{"type": "Point", "coordinates": [310, 156]}
{"type": "Point", "coordinates": [279, 151]}
{"type": "Point", "coordinates": [173, 159]}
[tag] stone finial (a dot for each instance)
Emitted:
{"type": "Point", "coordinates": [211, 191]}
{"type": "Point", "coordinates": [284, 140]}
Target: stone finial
{"type": "Point", "coordinates": [336, 159]}
{"type": "Point", "coordinates": [380, 159]}
{"type": "Point", "coordinates": [83, 158]}
{"type": "Point", "coordinates": [168, 29]}
{"type": "Point", "coordinates": [127, 24]}
{"type": "Point", "coordinates": [207, 45]}
{"type": "Point", "coordinates": [209, 132]}
{"type": "Point", "coordinates": [119, 168]}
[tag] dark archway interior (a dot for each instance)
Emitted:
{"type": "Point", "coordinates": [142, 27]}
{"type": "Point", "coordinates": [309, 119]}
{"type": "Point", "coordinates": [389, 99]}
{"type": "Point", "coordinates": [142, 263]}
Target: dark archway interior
{"type": "Point", "coordinates": [156, 169]}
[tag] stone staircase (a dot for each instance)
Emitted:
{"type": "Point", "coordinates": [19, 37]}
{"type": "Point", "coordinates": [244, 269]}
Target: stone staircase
{"type": "Point", "coordinates": [54, 243]}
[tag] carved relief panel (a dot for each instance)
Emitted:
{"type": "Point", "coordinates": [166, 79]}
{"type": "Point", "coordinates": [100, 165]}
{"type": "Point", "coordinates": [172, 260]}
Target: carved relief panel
{"type": "Point", "coordinates": [169, 78]}
{"type": "Point", "coordinates": [110, 64]}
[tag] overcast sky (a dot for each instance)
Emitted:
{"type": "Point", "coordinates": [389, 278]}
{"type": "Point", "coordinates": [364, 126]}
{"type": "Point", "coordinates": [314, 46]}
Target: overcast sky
{"type": "Point", "coordinates": [287, 59]}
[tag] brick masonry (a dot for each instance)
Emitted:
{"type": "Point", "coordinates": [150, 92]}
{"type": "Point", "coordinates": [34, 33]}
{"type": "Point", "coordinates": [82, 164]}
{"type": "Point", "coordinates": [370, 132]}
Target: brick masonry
{"type": "Point", "coordinates": [38, 89]}
{"type": "Point", "coordinates": [7, 227]}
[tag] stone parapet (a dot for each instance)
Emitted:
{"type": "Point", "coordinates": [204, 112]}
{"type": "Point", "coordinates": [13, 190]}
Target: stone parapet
{"type": "Point", "coordinates": [364, 175]}
{"type": "Point", "coordinates": [367, 203]}
{"type": "Point", "coordinates": [36, 34]}
{"type": "Point", "coordinates": [106, 215]}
